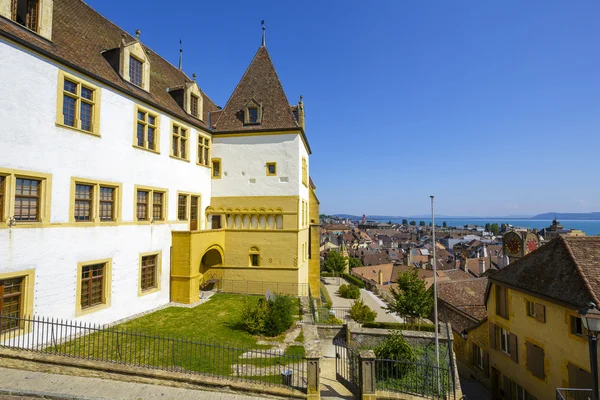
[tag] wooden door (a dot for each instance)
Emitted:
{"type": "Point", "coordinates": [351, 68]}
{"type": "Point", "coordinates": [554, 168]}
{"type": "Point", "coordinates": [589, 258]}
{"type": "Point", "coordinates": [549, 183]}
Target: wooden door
{"type": "Point", "coordinates": [194, 213]}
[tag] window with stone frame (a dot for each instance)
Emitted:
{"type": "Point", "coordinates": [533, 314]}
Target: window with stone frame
{"type": "Point", "coordinates": [179, 141]}
{"type": "Point", "coordinates": [27, 199]}
{"type": "Point", "coordinates": [79, 104]}
{"type": "Point", "coordinates": [92, 285]}
{"type": "Point", "coordinates": [182, 201]}
{"type": "Point", "coordinates": [107, 208]}
{"type": "Point", "coordinates": [148, 279]}
{"type": "Point", "coordinates": [147, 130]}
{"type": "Point", "coordinates": [194, 100]}
{"type": "Point", "coordinates": [84, 202]}
{"type": "Point", "coordinates": [11, 298]}
{"type": "Point", "coordinates": [26, 13]}
{"type": "Point", "coordinates": [203, 150]}
{"type": "Point", "coordinates": [136, 72]}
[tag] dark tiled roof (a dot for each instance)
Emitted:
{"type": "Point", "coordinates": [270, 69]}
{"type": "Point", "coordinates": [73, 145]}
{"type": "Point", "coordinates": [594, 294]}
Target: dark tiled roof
{"type": "Point", "coordinates": [80, 35]}
{"type": "Point", "coordinates": [260, 82]}
{"type": "Point", "coordinates": [567, 270]}
{"type": "Point", "coordinates": [457, 274]}
{"type": "Point", "coordinates": [466, 295]}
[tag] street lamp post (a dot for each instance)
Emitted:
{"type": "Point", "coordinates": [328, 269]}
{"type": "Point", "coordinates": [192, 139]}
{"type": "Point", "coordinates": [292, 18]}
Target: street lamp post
{"type": "Point", "coordinates": [435, 305]}
{"type": "Point", "coordinates": [590, 316]}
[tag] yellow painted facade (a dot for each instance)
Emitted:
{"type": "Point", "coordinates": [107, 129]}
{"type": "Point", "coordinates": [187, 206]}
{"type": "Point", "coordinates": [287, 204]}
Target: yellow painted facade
{"type": "Point", "coordinates": [463, 348]}
{"type": "Point", "coordinates": [225, 254]}
{"type": "Point", "coordinates": [314, 264]}
{"type": "Point", "coordinates": [554, 336]}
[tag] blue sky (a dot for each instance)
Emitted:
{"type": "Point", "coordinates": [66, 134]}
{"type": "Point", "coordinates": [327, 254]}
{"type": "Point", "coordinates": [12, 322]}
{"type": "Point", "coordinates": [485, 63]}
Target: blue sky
{"type": "Point", "coordinates": [494, 107]}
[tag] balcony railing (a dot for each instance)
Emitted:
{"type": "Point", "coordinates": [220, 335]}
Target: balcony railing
{"type": "Point", "coordinates": [573, 394]}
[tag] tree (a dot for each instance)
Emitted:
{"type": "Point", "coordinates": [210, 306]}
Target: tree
{"type": "Point", "coordinates": [421, 223]}
{"type": "Point", "coordinates": [335, 262]}
{"type": "Point", "coordinates": [411, 299]}
{"type": "Point", "coordinates": [355, 262]}
{"type": "Point", "coordinates": [495, 229]}
{"type": "Point", "coordinates": [488, 227]}
{"type": "Point", "coordinates": [445, 224]}
{"type": "Point", "coordinates": [413, 223]}
{"type": "Point", "coordinates": [404, 222]}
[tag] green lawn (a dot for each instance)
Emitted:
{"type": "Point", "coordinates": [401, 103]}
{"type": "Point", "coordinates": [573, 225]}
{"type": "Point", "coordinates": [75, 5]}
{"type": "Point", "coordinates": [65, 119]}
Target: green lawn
{"type": "Point", "coordinates": [209, 338]}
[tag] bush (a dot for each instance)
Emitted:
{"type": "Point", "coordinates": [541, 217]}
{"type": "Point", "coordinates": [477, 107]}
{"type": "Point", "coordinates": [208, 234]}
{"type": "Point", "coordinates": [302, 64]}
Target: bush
{"type": "Point", "coordinates": [354, 280]}
{"type": "Point", "coordinates": [395, 347]}
{"type": "Point", "coordinates": [400, 326]}
{"type": "Point", "coordinates": [349, 291]}
{"type": "Point", "coordinates": [269, 317]}
{"type": "Point", "coordinates": [361, 313]}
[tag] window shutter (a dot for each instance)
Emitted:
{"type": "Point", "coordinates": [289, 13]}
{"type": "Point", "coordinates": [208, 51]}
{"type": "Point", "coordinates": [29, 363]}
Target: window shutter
{"type": "Point", "coordinates": [492, 335]}
{"type": "Point", "coordinates": [507, 389]}
{"type": "Point", "coordinates": [514, 350]}
{"type": "Point", "coordinates": [529, 396]}
{"type": "Point", "coordinates": [486, 364]}
{"type": "Point", "coordinates": [579, 378]}
{"type": "Point", "coordinates": [535, 360]}
{"type": "Point", "coordinates": [473, 360]}
{"type": "Point", "coordinates": [540, 312]}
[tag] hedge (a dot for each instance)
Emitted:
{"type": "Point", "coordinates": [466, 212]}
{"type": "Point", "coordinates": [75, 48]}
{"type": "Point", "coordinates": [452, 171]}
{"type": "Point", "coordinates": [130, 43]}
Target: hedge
{"type": "Point", "coordinates": [400, 326]}
{"type": "Point", "coordinates": [349, 278]}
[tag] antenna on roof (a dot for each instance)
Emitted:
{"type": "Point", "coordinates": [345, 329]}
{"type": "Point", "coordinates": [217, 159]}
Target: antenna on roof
{"type": "Point", "coordinates": [264, 29]}
{"type": "Point", "coordinates": [180, 54]}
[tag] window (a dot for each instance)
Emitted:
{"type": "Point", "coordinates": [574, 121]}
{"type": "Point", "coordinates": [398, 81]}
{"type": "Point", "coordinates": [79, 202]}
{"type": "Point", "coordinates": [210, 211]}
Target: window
{"type": "Point", "coordinates": [304, 172]}
{"type": "Point", "coordinates": [501, 301]}
{"type": "Point", "coordinates": [252, 112]}
{"type": "Point", "coordinates": [11, 291]}
{"type": "Point", "coordinates": [477, 356]}
{"type": "Point", "coordinates": [531, 308]}
{"type": "Point", "coordinates": [216, 221]}
{"type": "Point", "coordinates": [535, 360]}
{"type": "Point", "coordinates": [182, 201]}
{"type": "Point", "coordinates": [94, 201]}
{"type": "Point", "coordinates": [150, 204]}
{"type": "Point", "coordinates": [2, 196]}
{"type": "Point", "coordinates": [578, 377]}
{"type": "Point", "coordinates": [253, 115]}
{"type": "Point", "coordinates": [179, 141]}
{"type": "Point", "coordinates": [576, 326]}
{"type": "Point", "coordinates": [504, 341]}
{"type": "Point", "coordinates": [203, 150]}
{"type": "Point", "coordinates": [78, 104]}
{"type": "Point", "coordinates": [83, 202]}
{"type": "Point", "coordinates": [194, 105]}
{"type": "Point", "coordinates": [26, 12]}
{"type": "Point", "coordinates": [271, 169]}
{"type": "Point", "coordinates": [254, 256]}
{"type": "Point", "coordinates": [27, 199]}
{"type": "Point", "coordinates": [216, 168]}
{"type": "Point", "coordinates": [148, 278]}
{"type": "Point", "coordinates": [254, 259]}
{"type": "Point", "coordinates": [536, 310]}
{"type": "Point", "coordinates": [146, 133]}
{"type": "Point", "coordinates": [135, 71]}
{"type": "Point", "coordinates": [92, 285]}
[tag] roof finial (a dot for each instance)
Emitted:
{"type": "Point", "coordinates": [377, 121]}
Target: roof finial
{"type": "Point", "coordinates": [180, 54]}
{"type": "Point", "coordinates": [137, 34]}
{"type": "Point", "coordinates": [264, 30]}
{"type": "Point", "coordinates": [194, 76]}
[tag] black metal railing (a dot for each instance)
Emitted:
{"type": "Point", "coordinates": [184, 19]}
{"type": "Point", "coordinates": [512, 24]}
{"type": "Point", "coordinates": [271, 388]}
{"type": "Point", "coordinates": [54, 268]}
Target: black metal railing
{"type": "Point", "coordinates": [415, 378]}
{"type": "Point", "coordinates": [347, 366]}
{"type": "Point", "coordinates": [573, 394]}
{"type": "Point", "coordinates": [154, 351]}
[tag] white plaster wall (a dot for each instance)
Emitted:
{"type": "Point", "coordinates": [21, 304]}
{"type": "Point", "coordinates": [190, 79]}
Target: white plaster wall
{"type": "Point", "coordinates": [30, 141]}
{"type": "Point", "coordinates": [245, 158]}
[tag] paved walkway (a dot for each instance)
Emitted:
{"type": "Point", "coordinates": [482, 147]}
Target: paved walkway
{"type": "Point", "coordinates": [18, 382]}
{"type": "Point", "coordinates": [374, 302]}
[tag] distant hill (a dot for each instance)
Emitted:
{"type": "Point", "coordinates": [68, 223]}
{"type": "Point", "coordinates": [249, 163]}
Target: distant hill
{"type": "Point", "coordinates": [567, 216]}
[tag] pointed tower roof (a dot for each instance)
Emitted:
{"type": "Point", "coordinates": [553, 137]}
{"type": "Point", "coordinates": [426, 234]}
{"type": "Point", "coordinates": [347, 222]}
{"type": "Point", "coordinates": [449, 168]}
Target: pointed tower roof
{"type": "Point", "coordinates": [261, 84]}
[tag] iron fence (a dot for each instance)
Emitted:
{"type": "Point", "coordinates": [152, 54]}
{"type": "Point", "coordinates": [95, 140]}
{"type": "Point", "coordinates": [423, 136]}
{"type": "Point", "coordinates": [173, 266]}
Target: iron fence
{"type": "Point", "coordinates": [260, 287]}
{"type": "Point", "coordinates": [347, 366]}
{"type": "Point", "coordinates": [415, 378]}
{"type": "Point", "coordinates": [153, 351]}
{"type": "Point", "coordinates": [573, 394]}
{"type": "Point", "coordinates": [332, 316]}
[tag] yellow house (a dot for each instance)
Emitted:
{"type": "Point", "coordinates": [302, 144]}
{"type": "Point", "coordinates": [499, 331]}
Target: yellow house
{"type": "Point", "coordinates": [537, 342]}
{"type": "Point", "coordinates": [462, 304]}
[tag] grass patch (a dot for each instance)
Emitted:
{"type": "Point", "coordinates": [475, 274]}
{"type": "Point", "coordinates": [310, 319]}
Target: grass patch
{"type": "Point", "coordinates": [300, 337]}
{"type": "Point", "coordinates": [209, 338]}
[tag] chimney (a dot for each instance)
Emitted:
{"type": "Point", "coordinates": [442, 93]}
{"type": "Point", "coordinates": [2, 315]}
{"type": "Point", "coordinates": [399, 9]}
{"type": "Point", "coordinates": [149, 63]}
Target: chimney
{"type": "Point", "coordinates": [465, 265]}
{"type": "Point", "coordinates": [301, 115]}
{"type": "Point", "coordinates": [485, 252]}
{"type": "Point", "coordinates": [481, 266]}
{"type": "Point", "coordinates": [380, 280]}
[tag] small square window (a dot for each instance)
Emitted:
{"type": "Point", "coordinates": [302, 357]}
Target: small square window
{"type": "Point", "coordinates": [271, 169]}
{"type": "Point", "coordinates": [216, 169]}
{"type": "Point", "coordinates": [576, 326]}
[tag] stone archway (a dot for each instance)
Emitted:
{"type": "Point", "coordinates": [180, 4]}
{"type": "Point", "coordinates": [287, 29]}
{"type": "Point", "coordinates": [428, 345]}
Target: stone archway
{"type": "Point", "coordinates": [211, 258]}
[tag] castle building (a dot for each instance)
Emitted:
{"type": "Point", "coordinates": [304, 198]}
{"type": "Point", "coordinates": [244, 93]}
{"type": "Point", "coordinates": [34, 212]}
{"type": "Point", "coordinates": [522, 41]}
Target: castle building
{"type": "Point", "coordinates": [123, 186]}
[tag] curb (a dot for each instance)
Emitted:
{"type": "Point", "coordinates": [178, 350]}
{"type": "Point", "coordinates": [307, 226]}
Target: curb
{"type": "Point", "coordinates": [45, 395]}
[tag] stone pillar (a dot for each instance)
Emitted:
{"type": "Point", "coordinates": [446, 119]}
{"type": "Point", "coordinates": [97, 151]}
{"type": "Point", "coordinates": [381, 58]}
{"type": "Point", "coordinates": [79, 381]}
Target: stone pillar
{"type": "Point", "coordinates": [313, 372]}
{"type": "Point", "coordinates": [367, 375]}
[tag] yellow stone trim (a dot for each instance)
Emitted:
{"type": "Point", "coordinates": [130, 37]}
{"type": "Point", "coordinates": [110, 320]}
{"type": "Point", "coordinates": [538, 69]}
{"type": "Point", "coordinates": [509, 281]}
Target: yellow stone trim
{"type": "Point", "coordinates": [151, 190]}
{"type": "Point", "coordinates": [188, 207]}
{"type": "Point", "coordinates": [180, 127]}
{"type": "Point", "coordinates": [117, 205]}
{"type": "Point", "coordinates": [27, 296]}
{"type": "Point", "coordinates": [134, 49]}
{"type": "Point", "coordinates": [210, 142]}
{"type": "Point", "coordinates": [158, 276]}
{"type": "Point", "coordinates": [60, 93]}
{"type": "Point", "coordinates": [156, 115]}
{"type": "Point", "coordinates": [274, 165]}
{"type": "Point", "coordinates": [106, 285]}
{"type": "Point", "coordinates": [304, 171]}
{"type": "Point", "coordinates": [212, 166]}
{"type": "Point", "coordinates": [11, 176]}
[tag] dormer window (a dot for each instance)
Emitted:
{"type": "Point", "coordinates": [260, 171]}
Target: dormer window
{"type": "Point", "coordinates": [135, 71]}
{"type": "Point", "coordinates": [30, 14]}
{"type": "Point", "coordinates": [252, 113]}
{"type": "Point", "coordinates": [194, 105]}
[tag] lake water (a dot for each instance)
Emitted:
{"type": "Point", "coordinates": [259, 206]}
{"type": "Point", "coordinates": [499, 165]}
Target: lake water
{"type": "Point", "coordinates": [590, 227]}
